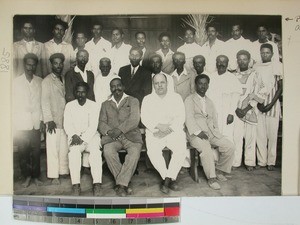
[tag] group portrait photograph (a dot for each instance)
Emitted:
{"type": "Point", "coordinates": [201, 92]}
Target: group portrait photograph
{"type": "Point", "coordinates": [159, 105]}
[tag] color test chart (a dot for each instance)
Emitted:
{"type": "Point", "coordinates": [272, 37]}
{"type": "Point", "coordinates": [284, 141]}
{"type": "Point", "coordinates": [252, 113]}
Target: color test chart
{"type": "Point", "coordinates": [82, 210]}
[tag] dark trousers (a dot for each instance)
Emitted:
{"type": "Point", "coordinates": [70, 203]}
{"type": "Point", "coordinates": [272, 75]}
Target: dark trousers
{"type": "Point", "coordinates": [29, 145]}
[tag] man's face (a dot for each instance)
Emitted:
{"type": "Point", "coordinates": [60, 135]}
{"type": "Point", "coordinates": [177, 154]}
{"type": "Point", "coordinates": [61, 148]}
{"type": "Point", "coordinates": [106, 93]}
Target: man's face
{"type": "Point", "coordinates": [199, 64]}
{"type": "Point", "coordinates": [135, 58]}
{"type": "Point", "coordinates": [222, 64]}
{"type": "Point", "coordinates": [156, 65]}
{"type": "Point", "coordinates": [30, 67]}
{"type": "Point", "coordinates": [116, 36]}
{"type": "Point", "coordinates": [82, 58]}
{"type": "Point", "coordinates": [243, 62]}
{"type": "Point", "coordinates": [97, 31]}
{"type": "Point", "coordinates": [58, 31]}
{"type": "Point", "coordinates": [116, 88]}
{"type": "Point", "coordinates": [262, 33]}
{"type": "Point", "coordinates": [212, 33]}
{"type": "Point", "coordinates": [165, 42]}
{"type": "Point", "coordinates": [141, 40]}
{"type": "Point", "coordinates": [57, 66]}
{"type": "Point", "coordinates": [189, 36]}
{"type": "Point", "coordinates": [28, 30]}
{"type": "Point", "coordinates": [178, 61]}
{"type": "Point", "coordinates": [80, 40]}
{"type": "Point", "coordinates": [80, 94]}
{"type": "Point", "coordinates": [236, 32]}
{"type": "Point", "coordinates": [266, 55]}
{"type": "Point", "coordinates": [105, 67]}
{"type": "Point", "coordinates": [160, 84]}
{"type": "Point", "coordinates": [202, 86]}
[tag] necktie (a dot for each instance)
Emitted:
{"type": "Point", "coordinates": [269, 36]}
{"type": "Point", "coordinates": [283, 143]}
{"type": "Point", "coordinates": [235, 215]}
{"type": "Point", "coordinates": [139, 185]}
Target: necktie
{"type": "Point", "coordinates": [132, 74]}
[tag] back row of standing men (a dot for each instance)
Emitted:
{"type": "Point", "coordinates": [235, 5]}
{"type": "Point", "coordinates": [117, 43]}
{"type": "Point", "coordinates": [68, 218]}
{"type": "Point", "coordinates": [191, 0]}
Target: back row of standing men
{"type": "Point", "coordinates": [235, 96]}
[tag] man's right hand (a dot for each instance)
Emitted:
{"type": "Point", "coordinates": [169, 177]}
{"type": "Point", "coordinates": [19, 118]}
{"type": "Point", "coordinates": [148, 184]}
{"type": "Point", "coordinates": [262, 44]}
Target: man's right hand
{"type": "Point", "coordinates": [76, 140]}
{"type": "Point", "coordinates": [202, 135]}
{"type": "Point", "coordinates": [51, 126]}
{"type": "Point", "coordinates": [165, 128]}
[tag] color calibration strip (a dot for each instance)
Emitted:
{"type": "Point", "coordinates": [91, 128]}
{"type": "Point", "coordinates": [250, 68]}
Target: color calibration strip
{"type": "Point", "coordinates": [67, 210]}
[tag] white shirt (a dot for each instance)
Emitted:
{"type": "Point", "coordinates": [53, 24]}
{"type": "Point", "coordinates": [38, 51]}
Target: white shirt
{"type": "Point", "coordinates": [211, 53]}
{"type": "Point", "coordinates": [29, 45]}
{"type": "Point", "coordinates": [96, 52]}
{"type": "Point", "coordinates": [81, 120]}
{"type": "Point", "coordinates": [163, 56]}
{"type": "Point", "coordinates": [134, 69]}
{"type": "Point", "coordinates": [82, 73]}
{"type": "Point", "coordinates": [112, 98]}
{"type": "Point", "coordinates": [27, 112]}
{"type": "Point", "coordinates": [190, 50]}
{"type": "Point", "coordinates": [256, 51]}
{"type": "Point", "coordinates": [119, 57]}
{"type": "Point", "coordinates": [167, 110]}
{"type": "Point", "coordinates": [102, 87]}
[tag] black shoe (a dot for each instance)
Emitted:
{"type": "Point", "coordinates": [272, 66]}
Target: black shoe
{"type": "Point", "coordinates": [97, 189]}
{"type": "Point", "coordinates": [121, 191]}
{"type": "Point", "coordinates": [270, 168]}
{"type": "Point", "coordinates": [76, 189]}
{"type": "Point", "coordinates": [174, 186]}
{"type": "Point", "coordinates": [164, 188]}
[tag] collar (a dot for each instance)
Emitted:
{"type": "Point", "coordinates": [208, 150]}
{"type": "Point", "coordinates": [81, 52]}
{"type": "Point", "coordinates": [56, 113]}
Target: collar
{"type": "Point", "coordinates": [62, 43]}
{"type": "Point", "coordinates": [215, 43]}
{"type": "Point", "coordinates": [201, 98]}
{"type": "Point", "coordinates": [170, 52]}
{"type": "Point", "coordinates": [114, 100]}
{"type": "Point", "coordinates": [77, 70]}
{"type": "Point", "coordinates": [184, 72]}
{"type": "Point", "coordinates": [135, 68]}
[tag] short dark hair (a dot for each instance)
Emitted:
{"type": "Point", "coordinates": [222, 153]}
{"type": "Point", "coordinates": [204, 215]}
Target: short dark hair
{"type": "Point", "coordinates": [117, 78]}
{"type": "Point", "coordinates": [224, 56]}
{"type": "Point", "coordinates": [201, 76]}
{"type": "Point", "coordinates": [243, 52]}
{"type": "Point", "coordinates": [96, 22]}
{"type": "Point", "coordinates": [237, 23]}
{"type": "Point", "coordinates": [214, 25]}
{"type": "Point", "coordinates": [267, 45]}
{"type": "Point", "coordinates": [60, 22]}
{"type": "Point", "coordinates": [191, 29]}
{"type": "Point", "coordinates": [80, 32]}
{"type": "Point", "coordinates": [198, 56]}
{"type": "Point", "coordinates": [263, 25]}
{"type": "Point", "coordinates": [30, 56]}
{"type": "Point", "coordinates": [57, 55]}
{"type": "Point", "coordinates": [139, 32]}
{"type": "Point", "coordinates": [81, 50]}
{"type": "Point", "coordinates": [105, 59]}
{"type": "Point", "coordinates": [164, 34]}
{"type": "Point", "coordinates": [28, 21]}
{"type": "Point", "coordinates": [154, 56]}
{"type": "Point", "coordinates": [177, 53]}
{"type": "Point", "coordinates": [119, 29]}
{"type": "Point", "coordinates": [82, 84]}
{"type": "Point", "coordinates": [136, 49]}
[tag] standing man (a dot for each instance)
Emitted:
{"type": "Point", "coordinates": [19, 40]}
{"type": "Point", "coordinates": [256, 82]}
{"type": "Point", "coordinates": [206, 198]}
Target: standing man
{"type": "Point", "coordinates": [190, 48]}
{"type": "Point", "coordinates": [164, 128]}
{"type": "Point", "coordinates": [212, 47]}
{"type": "Point", "coordinates": [97, 47]}
{"type": "Point", "coordinates": [57, 45]}
{"type": "Point", "coordinates": [246, 111]}
{"type": "Point", "coordinates": [140, 38]}
{"type": "Point", "coordinates": [135, 78]}
{"type": "Point", "coordinates": [262, 34]}
{"type": "Point", "coordinates": [270, 111]}
{"type": "Point", "coordinates": [120, 51]}
{"type": "Point", "coordinates": [118, 123]}
{"type": "Point", "coordinates": [225, 91]}
{"type": "Point", "coordinates": [202, 125]}
{"type": "Point", "coordinates": [27, 116]}
{"type": "Point", "coordinates": [80, 39]}
{"type": "Point", "coordinates": [165, 52]}
{"type": "Point", "coordinates": [53, 106]}
{"type": "Point", "coordinates": [79, 73]}
{"type": "Point", "coordinates": [27, 45]}
{"type": "Point", "coordinates": [235, 44]}
{"type": "Point", "coordinates": [80, 122]}
{"type": "Point", "coordinates": [101, 87]}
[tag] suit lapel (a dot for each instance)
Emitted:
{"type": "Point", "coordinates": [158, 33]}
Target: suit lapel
{"type": "Point", "coordinates": [198, 104]}
{"type": "Point", "coordinates": [123, 102]}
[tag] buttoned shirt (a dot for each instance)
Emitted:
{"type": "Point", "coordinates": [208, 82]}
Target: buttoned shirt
{"type": "Point", "coordinates": [119, 57]}
{"type": "Point", "coordinates": [102, 87]}
{"type": "Point", "coordinates": [112, 98]}
{"type": "Point", "coordinates": [27, 103]}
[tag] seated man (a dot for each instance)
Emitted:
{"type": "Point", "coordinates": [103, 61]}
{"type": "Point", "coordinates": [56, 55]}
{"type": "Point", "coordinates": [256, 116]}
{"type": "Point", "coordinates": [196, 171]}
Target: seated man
{"type": "Point", "coordinates": [163, 115]}
{"type": "Point", "coordinates": [118, 123]}
{"type": "Point", "coordinates": [202, 125]}
{"type": "Point", "coordinates": [80, 123]}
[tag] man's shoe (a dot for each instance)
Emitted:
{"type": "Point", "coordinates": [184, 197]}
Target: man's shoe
{"type": "Point", "coordinates": [76, 189]}
{"type": "Point", "coordinates": [212, 183]}
{"type": "Point", "coordinates": [174, 186]}
{"type": "Point", "coordinates": [270, 168]}
{"type": "Point", "coordinates": [55, 181]}
{"type": "Point", "coordinates": [97, 189]}
{"type": "Point", "coordinates": [121, 191]}
{"type": "Point", "coordinates": [250, 168]}
{"type": "Point", "coordinates": [64, 176]}
{"type": "Point", "coordinates": [164, 189]}
{"type": "Point", "coordinates": [221, 177]}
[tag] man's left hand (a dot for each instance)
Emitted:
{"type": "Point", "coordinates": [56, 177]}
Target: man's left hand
{"type": "Point", "coordinates": [114, 133]}
{"type": "Point", "coordinates": [230, 119]}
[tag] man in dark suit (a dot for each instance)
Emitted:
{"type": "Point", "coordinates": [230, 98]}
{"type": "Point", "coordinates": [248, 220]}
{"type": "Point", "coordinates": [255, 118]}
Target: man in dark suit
{"type": "Point", "coordinates": [79, 74]}
{"type": "Point", "coordinates": [118, 124]}
{"type": "Point", "coordinates": [135, 78]}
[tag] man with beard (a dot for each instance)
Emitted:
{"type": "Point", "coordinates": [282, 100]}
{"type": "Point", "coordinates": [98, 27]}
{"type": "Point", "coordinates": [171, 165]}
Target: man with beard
{"type": "Point", "coordinates": [80, 122]}
{"type": "Point", "coordinates": [53, 105]}
{"type": "Point", "coordinates": [27, 45]}
{"type": "Point", "coordinates": [135, 78]}
{"type": "Point", "coordinates": [79, 74]}
{"type": "Point", "coordinates": [140, 38]}
{"type": "Point", "coordinates": [199, 65]}
{"type": "Point", "coordinates": [57, 45]}
{"type": "Point", "coordinates": [118, 124]}
{"type": "Point", "coordinates": [165, 52]}
{"type": "Point", "coordinates": [225, 91]}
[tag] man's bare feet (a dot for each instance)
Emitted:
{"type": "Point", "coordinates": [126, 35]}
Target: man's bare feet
{"type": "Point", "coordinates": [37, 182]}
{"type": "Point", "coordinates": [26, 183]}
{"type": "Point", "coordinates": [55, 181]}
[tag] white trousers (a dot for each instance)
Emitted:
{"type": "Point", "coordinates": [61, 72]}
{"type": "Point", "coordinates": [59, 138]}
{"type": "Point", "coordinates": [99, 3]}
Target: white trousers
{"type": "Point", "coordinates": [267, 132]}
{"type": "Point", "coordinates": [248, 131]}
{"type": "Point", "coordinates": [226, 129]}
{"type": "Point", "coordinates": [57, 153]}
{"type": "Point", "coordinates": [176, 142]}
{"type": "Point", "coordinates": [95, 159]}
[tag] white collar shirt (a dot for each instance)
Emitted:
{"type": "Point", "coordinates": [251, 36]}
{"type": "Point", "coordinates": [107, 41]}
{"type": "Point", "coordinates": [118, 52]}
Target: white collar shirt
{"type": "Point", "coordinates": [82, 73]}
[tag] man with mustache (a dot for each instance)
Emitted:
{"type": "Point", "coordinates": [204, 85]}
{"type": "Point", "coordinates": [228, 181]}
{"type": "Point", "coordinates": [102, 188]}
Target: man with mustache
{"type": "Point", "coordinates": [118, 124]}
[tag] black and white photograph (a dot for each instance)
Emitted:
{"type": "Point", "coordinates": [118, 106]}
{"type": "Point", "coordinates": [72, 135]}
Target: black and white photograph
{"type": "Point", "coordinates": [183, 105]}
